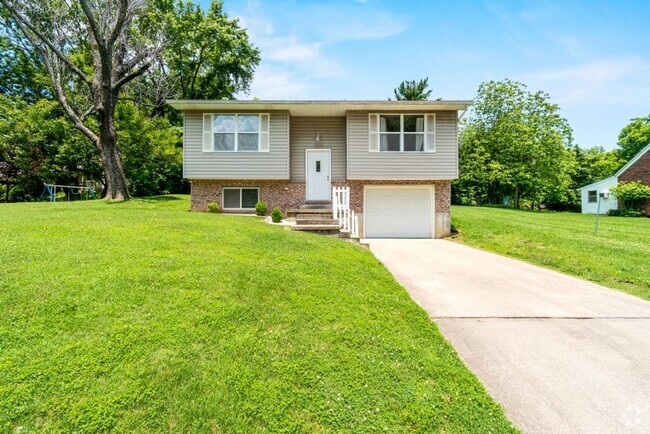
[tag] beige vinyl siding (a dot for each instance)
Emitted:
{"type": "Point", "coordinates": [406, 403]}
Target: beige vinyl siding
{"type": "Point", "coordinates": [236, 165]}
{"type": "Point", "coordinates": [441, 164]}
{"type": "Point", "coordinates": [303, 136]}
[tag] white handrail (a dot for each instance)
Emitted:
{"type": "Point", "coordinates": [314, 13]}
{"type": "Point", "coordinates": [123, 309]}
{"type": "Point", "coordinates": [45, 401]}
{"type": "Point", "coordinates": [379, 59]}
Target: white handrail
{"type": "Point", "coordinates": [342, 212]}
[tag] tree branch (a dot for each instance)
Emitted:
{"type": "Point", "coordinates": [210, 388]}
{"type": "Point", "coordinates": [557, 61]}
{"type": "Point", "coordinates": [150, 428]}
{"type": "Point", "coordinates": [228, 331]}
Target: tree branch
{"type": "Point", "coordinates": [26, 27]}
{"type": "Point", "coordinates": [121, 19]}
{"type": "Point", "coordinates": [55, 75]}
{"type": "Point", "coordinates": [94, 27]}
{"type": "Point", "coordinates": [125, 79]}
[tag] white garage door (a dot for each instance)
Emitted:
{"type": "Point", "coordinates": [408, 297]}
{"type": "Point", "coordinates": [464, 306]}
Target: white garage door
{"type": "Point", "coordinates": [398, 212]}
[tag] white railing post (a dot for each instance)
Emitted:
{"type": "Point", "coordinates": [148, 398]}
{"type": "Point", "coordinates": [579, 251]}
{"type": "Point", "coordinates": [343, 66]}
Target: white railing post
{"type": "Point", "coordinates": [341, 211]}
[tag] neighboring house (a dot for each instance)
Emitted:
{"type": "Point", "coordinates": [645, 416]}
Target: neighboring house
{"type": "Point", "coordinates": [637, 169]}
{"type": "Point", "coordinates": [397, 157]}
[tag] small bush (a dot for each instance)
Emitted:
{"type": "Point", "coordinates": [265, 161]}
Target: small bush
{"type": "Point", "coordinates": [213, 207]}
{"type": "Point", "coordinates": [260, 208]}
{"type": "Point", "coordinates": [627, 212]}
{"type": "Point", "coordinates": [632, 194]}
{"type": "Point", "coordinates": [276, 215]}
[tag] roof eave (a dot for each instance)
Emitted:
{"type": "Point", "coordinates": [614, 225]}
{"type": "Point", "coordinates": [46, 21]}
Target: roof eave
{"type": "Point", "coordinates": [597, 182]}
{"type": "Point", "coordinates": [340, 106]}
{"type": "Point", "coordinates": [632, 161]}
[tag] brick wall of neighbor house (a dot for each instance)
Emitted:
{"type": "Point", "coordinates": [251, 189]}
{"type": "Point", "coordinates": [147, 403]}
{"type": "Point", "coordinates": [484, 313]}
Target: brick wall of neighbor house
{"type": "Point", "coordinates": [639, 171]}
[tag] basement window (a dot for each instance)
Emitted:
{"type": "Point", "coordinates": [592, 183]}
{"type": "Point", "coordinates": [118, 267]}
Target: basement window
{"type": "Point", "coordinates": [592, 196]}
{"type": "Point", "coordinates": [240, 197]}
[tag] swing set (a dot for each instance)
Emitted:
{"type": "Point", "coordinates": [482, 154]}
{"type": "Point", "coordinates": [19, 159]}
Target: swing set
{"type": "Point", "coordinates": [71, 192]}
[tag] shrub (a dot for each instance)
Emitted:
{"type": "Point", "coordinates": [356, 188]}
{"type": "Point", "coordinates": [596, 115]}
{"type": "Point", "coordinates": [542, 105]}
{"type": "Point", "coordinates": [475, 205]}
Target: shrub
{"type": "Point", "coordinates": [627, 212]}
{"type": "Point", "coordinates": [213, 207]}
{"type": "Point", "coordinates": [260, 208]}
{"type": "Point", "coordinates": [631, 193]}
{"type": "Point", "coordinates": [276, 215]}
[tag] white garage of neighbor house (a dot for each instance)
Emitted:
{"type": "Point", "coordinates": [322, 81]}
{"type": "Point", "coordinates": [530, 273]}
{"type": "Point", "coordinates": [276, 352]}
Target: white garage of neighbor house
{"type": "Point", "coordinates": [374, 169]}
{"type": "Point", "coordinates": [599, 191]}
{"type": "Point", "coordinates": [637, 169]}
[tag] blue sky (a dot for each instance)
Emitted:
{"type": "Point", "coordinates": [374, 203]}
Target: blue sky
{"type": "Point", "coordinates": [592, 57]}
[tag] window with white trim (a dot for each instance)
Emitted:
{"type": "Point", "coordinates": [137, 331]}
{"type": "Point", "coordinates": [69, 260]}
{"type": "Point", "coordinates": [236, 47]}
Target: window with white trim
{"type": "Point", "coordinates": [240, 197]}
{"type": "Point", "coordinates": [402, 132]}
{"type": "Point", "coordinates": [592, 196]}
{"type": "Point", "coordinates": [235, 132]}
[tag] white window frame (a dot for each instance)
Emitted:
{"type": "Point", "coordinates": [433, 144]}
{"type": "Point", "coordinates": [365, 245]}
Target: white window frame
{"type": "Point", "coordinates": [589, 198]}
{"type": "Point", "coordinates": [261, 134]}
{"type": "Point", "coordinates": [223, 196]}
{"type": "Point", "coordinates": [401, 133]}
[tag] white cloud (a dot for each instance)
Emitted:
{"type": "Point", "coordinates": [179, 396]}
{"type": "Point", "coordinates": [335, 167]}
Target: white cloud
{"type": "Point", "coordinates": [601, 81]}
{"type": "Point", "coordinates": [295, 41]}
{"type": "Point", "coordinates": [276, 83]}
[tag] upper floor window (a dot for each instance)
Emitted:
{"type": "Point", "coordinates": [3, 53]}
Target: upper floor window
{"type": "Point", "coordinates": [224, 132]}
{"type": "Point", "coordinates": [402, 132]}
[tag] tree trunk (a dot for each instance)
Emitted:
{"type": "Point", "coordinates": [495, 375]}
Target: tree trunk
{"type": "Point", "coordinates": [116, 187]}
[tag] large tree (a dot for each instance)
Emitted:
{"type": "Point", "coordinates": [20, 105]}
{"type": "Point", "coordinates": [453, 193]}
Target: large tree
{"type": "Point", "coordinates": [207, 55]}
{"type": "Point", "coordinates": [514, 144]}
{"type": "Point", "coordinates": [634, 137]}
{"type": "Point", "coordinates": [412, 90]}
{"type": "Point", "coordinates": [90, 50]}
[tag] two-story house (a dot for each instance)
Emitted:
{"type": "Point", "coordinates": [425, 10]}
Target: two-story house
{"type": "Point", "coordinates": [397, 157]}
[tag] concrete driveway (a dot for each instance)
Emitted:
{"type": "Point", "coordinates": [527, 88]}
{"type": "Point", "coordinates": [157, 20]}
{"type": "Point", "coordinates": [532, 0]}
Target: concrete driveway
{"type": "Point", "coordinates": [559, 353]}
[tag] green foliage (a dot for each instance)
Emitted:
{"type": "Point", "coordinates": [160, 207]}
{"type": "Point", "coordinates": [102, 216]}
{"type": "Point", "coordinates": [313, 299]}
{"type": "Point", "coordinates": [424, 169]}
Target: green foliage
{"type": "Point", "coordinates": [260, 208]}
{"type": "Point", "coordinates": [412, 90]}
{"type": "Point", "coordinates": [213, 207]}
{"type": "Point", "coordinates": [38, 144]}
{"type": "Point", "coordinates": [618, 257]}
{"type": "Point", "coordinates": [590, 165]}
{"type": "Point", "coordinates": [152, 151]}
{"type": "Point", "coordinates": [633, 138]}
{"type": "Point", "coordinates": [207, 55]}
{"type": "Point", "coordinates": [514, 144]}
{"type": "Point", "coordinates": [627, 212]}
{"type": "Point", "coordinates": [160, 320]}
{"type": "Point", "coordinates": [631, 193]}
{"type": "Point", "coordinates": [276, 215]}
{"type": "Point", "coordinates": [21, 74]}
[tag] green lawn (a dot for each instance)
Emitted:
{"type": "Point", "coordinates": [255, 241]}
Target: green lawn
{"type": "Point", "coordinates": [618, 257]}
{"type": "Point", "coordinates": [141, 316]}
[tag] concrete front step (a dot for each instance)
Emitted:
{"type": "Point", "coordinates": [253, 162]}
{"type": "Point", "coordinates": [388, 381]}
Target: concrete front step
{"type": "Point", "coordinates": [316, 205]}
{"type": "Point", "coordinates": [309, 212]}
{"type": "Point", "coordinates": [318, 220]}
{"type": "Point", "coordinates": [321, 229]}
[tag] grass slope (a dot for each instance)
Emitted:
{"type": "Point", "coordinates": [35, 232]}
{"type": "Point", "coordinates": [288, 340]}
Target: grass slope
{"type": "Point", "coordinates": [143, 317]}
{"type": "Point", "coordinates": [618, 257]}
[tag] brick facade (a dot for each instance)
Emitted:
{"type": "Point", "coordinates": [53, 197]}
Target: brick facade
{"type": "Point", "coordinates": [639, 171]}
{"type": "Point", "coordinates": [283, 194]}
{"type": "Point", "coordinates": [291, 194]}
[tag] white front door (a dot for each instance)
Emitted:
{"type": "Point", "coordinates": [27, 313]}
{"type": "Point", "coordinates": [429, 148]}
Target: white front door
{"type": "Point", "coordinates": [318, 174]}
